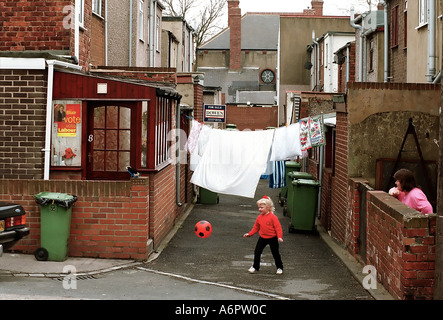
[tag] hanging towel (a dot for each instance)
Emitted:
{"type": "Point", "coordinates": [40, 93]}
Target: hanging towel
{"type": "Point", "coordinates": [286, 144]}
{"type": "Point", "coordinates": [278, 177]}
{"type": "Point", "coordinates": [233, 161]}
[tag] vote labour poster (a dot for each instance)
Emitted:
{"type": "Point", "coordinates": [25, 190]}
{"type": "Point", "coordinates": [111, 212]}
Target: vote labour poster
{"type": "Point", "coordinates": [67, 116]}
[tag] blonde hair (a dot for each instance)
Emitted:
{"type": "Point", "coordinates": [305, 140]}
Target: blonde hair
{"type": "Point", "coordinates": [267, 202]}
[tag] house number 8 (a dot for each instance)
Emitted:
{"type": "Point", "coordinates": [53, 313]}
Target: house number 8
{"type": "Point", "coordinates": [91, 138]}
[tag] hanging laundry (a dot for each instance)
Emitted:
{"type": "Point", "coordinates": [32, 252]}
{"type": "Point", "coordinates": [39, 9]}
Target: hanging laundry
{"type": "Point", "coordinates": [196, 127]}
{"type": "Point", "coordinates": [233, 161]}
{"type": "Point", "coordinates": [305, 140]}
{"type": "Point", "coordinates": [203, 139]}
{"type": "Point", "coordinates": [278, 177]}
{"type": "Point", "coordinates": [316, 131]}
{"type": "Point", "coordinates": [286, 144]}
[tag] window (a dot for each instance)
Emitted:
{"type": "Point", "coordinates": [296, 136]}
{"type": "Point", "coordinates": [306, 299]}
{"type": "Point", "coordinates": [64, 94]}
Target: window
{"type": "Point", "coordinates": [156, 132]}
{"type": "Point", "coordinates": [157, 34]}
{"type": "Point", "coordinates": [267, 76]}
{"type": "Point", "coordinates": [141, 20]}
{"type": "Point", "coordinates": [66, 133]}
{"type": "Point", "coordinates": [81, 13]}
{"type": "Point", "coordinates": [371, 55]}
{"type": "Point", "coordinates": [97, 7]}
{"type": "Point", "coordinates": [422, 12]}
{"type": "Point", "coordinates": [394, 23]}
{"type": "Point", "coordinates": [405, 40]}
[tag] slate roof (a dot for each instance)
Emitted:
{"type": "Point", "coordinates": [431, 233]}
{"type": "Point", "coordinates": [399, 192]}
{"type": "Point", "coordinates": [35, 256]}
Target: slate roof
{"type": "Point", "coordinates": [259, 32]}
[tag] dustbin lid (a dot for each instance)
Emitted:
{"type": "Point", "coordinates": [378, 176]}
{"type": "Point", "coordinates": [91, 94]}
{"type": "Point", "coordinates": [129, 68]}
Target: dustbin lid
{"type": "Point", "coordinates": [300, 175]}
{"type": "Point", "coordinates": [306, 182]}
{"type": "Point", "coordinates": [64, 200]}
{"type": "Point", "coordinates": [293, 164]}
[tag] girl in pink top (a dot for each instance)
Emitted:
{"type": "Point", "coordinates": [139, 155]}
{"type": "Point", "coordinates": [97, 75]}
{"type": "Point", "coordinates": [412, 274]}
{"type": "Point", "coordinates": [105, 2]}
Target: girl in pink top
{"type": "Point", "coordinates": [407, 192]}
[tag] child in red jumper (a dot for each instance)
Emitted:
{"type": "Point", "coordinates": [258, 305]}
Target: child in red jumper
{"type": "Point", "coordinates": [270, 231]}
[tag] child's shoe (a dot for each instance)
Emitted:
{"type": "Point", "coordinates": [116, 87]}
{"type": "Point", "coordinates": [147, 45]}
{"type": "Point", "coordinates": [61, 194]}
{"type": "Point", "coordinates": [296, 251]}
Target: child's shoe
{"type": "Point", "coordinates": [252, 270]}
{"type": "Point", "coordinates": [279, 271]}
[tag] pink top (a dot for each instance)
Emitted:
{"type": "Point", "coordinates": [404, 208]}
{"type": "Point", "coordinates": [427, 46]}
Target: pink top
{"type": "Point", "coordinates": [417, 200]}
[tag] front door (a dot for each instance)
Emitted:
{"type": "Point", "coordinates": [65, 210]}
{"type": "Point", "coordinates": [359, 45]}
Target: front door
{"type": "Point", "coordinates": [111, 127]}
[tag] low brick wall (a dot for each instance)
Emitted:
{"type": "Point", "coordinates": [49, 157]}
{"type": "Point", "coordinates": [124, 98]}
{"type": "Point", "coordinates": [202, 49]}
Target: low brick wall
{"type": "Point", "coordinates": [401, 246]}
{"type": "Point", "coordinates": [109, 220]}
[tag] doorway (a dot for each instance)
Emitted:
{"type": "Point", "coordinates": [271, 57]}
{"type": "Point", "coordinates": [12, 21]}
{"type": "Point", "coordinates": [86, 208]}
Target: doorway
{"type": "Point", "coordinates": [110, 140]}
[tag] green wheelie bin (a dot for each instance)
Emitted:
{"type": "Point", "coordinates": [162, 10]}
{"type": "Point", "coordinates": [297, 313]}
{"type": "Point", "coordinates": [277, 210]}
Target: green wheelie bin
{"type": "Point", "coordinates": [207, 197]}
{"type": "Point", "coordinates": [294, 175]}
{"type": "Point", "coordinates": [304, 205]}
{"type": "Point", "coordinates": [55, 225]}
{"type": "Point", "coordinates": [290, 166]}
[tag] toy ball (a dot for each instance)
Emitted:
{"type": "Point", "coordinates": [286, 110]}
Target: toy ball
{"type": "Point", "coordinates": [203, 229]}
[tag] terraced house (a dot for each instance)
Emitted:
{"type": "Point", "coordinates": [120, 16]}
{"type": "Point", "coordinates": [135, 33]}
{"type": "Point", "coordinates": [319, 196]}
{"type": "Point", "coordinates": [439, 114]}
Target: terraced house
{"type": "Point", "coordinates": [72, 123]}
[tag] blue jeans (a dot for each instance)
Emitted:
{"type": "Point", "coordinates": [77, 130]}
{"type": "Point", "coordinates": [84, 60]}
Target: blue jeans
{"type": "Point", "coordinates": [261, 244]}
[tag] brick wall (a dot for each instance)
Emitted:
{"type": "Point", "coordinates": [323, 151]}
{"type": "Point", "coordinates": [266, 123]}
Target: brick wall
{"type": "Point", "coordinates": [38, 26]}
{"type": "Point", "coordinates": [340, 180]}
{"type": "Point", "coordinates": [109, 220]}
{"type": "Point", "coordinates": [401, 246]}
{"type": "Point", "coordinates": [22, 123]}
{"type": "Point", "coordinates": [398, 56]}
{"type": "Point", "coordinates": [162, 203]}
{"type": "Point", "coordinates": [33, 25]}
{"type": "Point", "coordinates": [98, 40]}
{"type": "Point", "coordinates": [198, 102]}
{"type": "Point", "coordinates": [252, 118]}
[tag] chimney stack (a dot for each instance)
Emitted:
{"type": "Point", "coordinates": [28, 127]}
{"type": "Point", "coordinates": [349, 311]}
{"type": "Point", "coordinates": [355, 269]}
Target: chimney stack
{"type": "Point", "coordinates": [234, 23]}
{"type": "Point", "coordinates": [317, 6]}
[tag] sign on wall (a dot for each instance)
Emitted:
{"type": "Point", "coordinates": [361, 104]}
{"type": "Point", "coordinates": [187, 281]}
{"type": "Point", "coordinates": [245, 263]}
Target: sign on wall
{"type": "Point", "coordinates": [214, 113]}
{"type": "Point", "coordinates": [66, 133]}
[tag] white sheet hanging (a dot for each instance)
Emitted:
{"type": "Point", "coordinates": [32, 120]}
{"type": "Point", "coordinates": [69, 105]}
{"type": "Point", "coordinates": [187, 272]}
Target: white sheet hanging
{"type": "Point", "coordinates": [233, 161]}
{"type": "Point", "coordinates": [286, 144]}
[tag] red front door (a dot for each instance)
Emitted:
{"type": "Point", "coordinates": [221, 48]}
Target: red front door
{"type": "Point", "coordinates": [110, 139]}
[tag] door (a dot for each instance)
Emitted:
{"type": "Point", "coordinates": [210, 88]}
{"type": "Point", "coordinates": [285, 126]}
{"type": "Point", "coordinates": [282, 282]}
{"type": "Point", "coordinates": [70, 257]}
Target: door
{"type": "Point", "coordinates": [110, 140]}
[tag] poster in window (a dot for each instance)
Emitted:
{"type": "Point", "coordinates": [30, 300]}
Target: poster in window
{"type": "Point", "coordinates": [66, 134]}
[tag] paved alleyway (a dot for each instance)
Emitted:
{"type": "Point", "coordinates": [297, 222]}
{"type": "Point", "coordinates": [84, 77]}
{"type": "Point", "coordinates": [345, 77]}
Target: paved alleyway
{"type": "Point", "coordinates": [311, 270]}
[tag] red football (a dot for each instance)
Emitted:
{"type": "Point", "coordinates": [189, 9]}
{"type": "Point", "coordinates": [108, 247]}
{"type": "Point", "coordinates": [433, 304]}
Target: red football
{"type": "Point", "coordinates": [203, 229]}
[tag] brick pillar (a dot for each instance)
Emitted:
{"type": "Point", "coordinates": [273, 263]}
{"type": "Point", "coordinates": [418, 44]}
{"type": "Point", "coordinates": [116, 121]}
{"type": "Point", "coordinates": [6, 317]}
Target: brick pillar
{"type": "Point", "coordinates": [317, 6]}
{"type": "Point", "coordinates": [234, 23]}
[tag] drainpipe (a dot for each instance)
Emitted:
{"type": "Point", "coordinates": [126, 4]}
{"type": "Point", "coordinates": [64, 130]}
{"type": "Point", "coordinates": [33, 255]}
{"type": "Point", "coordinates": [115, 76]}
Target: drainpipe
{"type": "Point", "coordinates": [317, 63]}
{"type": "Point", "coordinates": [47, 148]}
{"type": "Point", "coordinates": [386, 40]}
{"type": "Point", "coordinates": [348, 52]}
{"type": "Point", "coordinates": [151, 33]}
{"type": "Point", "coordinates": [360, 58]}
{"type": "Point", "coordinates": [431, 41]}
{"type": "Point", "coordinates": [130, 32]}
{"type": "Point", "coordinates": [106, 33]}
{"type": "Point", "coordinates": [77, 30]}
{"type": "Point", "coordinates": [49, 108]}
{"type": "Point", "coordinates": [177, 155]}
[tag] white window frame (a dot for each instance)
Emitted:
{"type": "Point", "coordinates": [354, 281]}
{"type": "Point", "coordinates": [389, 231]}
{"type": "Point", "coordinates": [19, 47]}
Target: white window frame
{"type": "Point", "coordinates": [97, 7]}
{"type": "Point", "coordinates": [422, 12]}
{"type": "Point", "coordinates": [157, 35]}
{"type": "Point", "coordinates": [141, 20]}
{"type": "Point", "coordinates": [81, 14]}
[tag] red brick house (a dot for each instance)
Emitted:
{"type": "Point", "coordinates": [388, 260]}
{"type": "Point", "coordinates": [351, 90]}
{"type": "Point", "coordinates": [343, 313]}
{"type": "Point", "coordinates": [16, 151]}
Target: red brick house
{"type": "Point", "coordinates": [67, 128]}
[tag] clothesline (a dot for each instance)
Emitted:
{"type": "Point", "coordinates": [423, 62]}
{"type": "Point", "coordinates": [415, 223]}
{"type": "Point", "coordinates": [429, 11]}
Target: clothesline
{"type": "Point", "coordinates": [231, 162]}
